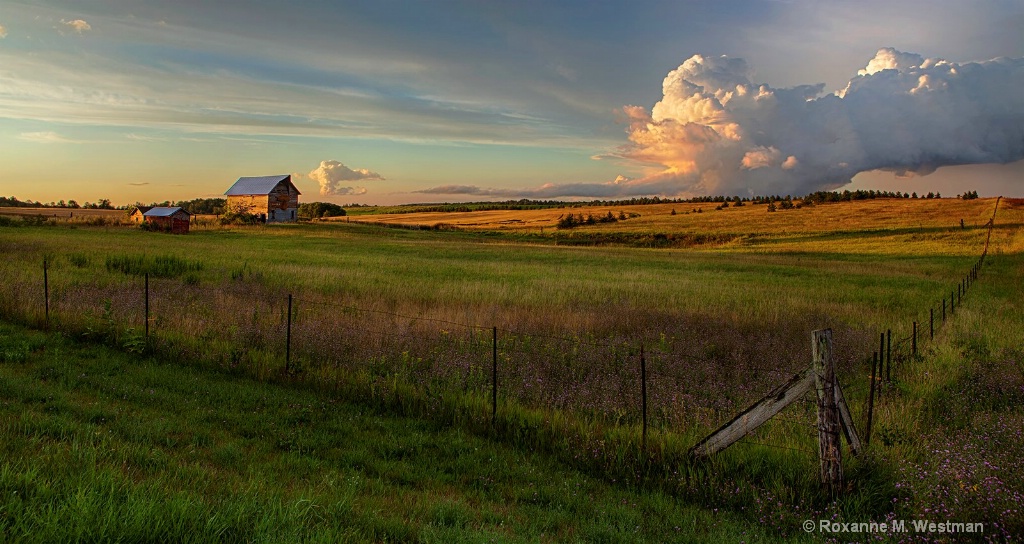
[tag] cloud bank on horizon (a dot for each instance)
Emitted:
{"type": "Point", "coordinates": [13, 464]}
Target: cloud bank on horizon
{"type": "Point", "coordinates": [715, 132]}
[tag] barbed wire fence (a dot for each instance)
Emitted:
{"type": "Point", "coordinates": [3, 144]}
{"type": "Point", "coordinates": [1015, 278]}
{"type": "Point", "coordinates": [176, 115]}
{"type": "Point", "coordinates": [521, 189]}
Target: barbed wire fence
{"type": "Point", "coordinates": [637, 379]}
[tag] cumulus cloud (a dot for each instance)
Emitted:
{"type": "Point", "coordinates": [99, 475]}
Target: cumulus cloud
{"type": "Point", "coordinates": [716, 132]}
{"type": "Point", "coordinates": [3, 32]}
{"type": "Point", "coordinates": [77, 25]}
{"type": "Point", "coordinates": [333, 176]}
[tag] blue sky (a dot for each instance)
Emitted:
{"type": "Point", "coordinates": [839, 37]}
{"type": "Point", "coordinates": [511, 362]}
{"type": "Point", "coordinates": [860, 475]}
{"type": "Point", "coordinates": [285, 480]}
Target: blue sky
{"type": "Point", "coordinates": [153, 100]}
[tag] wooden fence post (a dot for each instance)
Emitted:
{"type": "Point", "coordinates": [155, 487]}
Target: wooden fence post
{"type": "Point", "coordinates": [829, 451]}
{"type": "Point", "coordinates": [288, 339]}
{"type": "Point", "coordinates": [494, 375]}
{"type": "Point", "coordinates": [943, 309]}
{"type": "Point", "coordinates": [643, 394]}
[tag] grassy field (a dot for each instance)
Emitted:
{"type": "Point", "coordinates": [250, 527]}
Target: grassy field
{"type": "Point", "coordinates": [99, 445]}
{"type": "Point", "coordinates": [401, 320]}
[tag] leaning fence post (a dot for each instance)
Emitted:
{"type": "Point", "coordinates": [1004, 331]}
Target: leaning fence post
{"type": "Point", "coordinates": [871, 399]}
{"type": "Point", "coordinates": [46, 294]}
{"type": "Point", "coordinates": [288, 339]}
{"type": "Point", "coordinates": [643, 394]}
{"type": "Point", "coordinates": [494, 375]}
{"type": "Point", "coordinates": [829, 452]}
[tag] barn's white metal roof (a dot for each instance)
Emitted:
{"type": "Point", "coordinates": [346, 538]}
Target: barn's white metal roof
{"type": "Point", "coordinates": [261, 185]}
{"type": "Point", "coordinates": [161, 211]}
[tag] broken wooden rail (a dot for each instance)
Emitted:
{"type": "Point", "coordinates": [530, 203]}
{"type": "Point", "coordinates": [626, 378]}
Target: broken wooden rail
{"type": "Point", "coordinates": [833, 412]}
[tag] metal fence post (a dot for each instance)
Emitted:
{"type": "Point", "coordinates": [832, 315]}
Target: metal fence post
{"type": "Point", "coordinates": [288, 339]}
{"type": "Point", "coordinates": [643, 393]}
{"type": "Point", "coordinates": [46, 294]}
{"type": "Point", "coordinates": [494, 375]}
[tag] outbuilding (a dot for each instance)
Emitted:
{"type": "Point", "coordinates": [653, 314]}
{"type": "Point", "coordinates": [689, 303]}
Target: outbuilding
{"type": "Point", "coordinates": [273, 199]}
{"type": "Point", "coordinates": [170, 219]}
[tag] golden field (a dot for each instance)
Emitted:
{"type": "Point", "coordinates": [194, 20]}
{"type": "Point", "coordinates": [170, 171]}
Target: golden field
{"type": "Point", "coordinates": [881, 225]}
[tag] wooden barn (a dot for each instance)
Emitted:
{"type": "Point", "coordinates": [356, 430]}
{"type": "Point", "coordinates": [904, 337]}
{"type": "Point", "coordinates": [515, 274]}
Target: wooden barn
{"type": "Point", "coordinates": [174, 220]}
{"type": "Point", "coordinates": [273, 199]}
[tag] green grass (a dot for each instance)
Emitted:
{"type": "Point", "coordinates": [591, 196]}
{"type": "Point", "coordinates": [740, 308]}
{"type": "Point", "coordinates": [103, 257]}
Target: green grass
{"type": "Point", "coordinates": [99, 445]}
{"type": "Point", "coordinates": [714, 320]}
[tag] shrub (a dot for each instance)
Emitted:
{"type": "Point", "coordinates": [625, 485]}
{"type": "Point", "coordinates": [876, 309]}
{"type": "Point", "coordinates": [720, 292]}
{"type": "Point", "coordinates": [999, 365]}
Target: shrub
{"type": "Point", "coordinates": [232, 217]}
{"type": "Point", "coordinates": [316, 210]}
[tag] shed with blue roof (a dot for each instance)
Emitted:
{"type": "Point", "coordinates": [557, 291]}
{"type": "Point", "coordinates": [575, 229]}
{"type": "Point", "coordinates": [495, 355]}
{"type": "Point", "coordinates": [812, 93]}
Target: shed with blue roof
{"type": "Point", "coordinates": [273, 199]}
{"type": "Point", "coordinates": [169, 219]}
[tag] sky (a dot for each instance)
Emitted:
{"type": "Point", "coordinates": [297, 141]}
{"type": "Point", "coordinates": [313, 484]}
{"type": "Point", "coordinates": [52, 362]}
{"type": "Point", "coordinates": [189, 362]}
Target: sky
{"type": "Point", "coordinates": [388, 102]}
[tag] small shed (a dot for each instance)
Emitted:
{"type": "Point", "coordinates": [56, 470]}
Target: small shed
{"type": "Point", "coordinates": [138, 214]}
{"type": "Point", "coordinates": [272, 198]}
{"type": "Point", "coordinates": [174, 220]}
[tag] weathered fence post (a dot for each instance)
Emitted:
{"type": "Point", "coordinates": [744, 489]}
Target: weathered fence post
{"type": "Point", "coordinates": [829, 451]}
{"type": "Point", "coordinates": [46, 295]}
{"type": "Point", "coordinates": [913, 342]}
{"type": "Point", "coordinates": [643, 395]}
{"type": "Point", "coordinates": [871, 400]}
{"type": "Point", "coordinates": [494, 375]}
{"type": "Point", "coordinates": [147, 304]}
{"type": "Point", "coordinates": [288, 339]}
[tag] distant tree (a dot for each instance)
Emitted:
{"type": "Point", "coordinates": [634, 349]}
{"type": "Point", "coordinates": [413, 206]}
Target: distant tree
{"type": "Point", "coordinates": [316, 210]}
{"type": "Point", "coordinates": [207, 206]}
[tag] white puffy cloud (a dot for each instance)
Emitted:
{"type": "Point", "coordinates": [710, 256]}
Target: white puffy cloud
{"type": "Point", "coordinates": [716, 132]}
{"type": "Point", "coordinates": [333, 175]}
{"type": "Point", "coordinates": [77, 25]}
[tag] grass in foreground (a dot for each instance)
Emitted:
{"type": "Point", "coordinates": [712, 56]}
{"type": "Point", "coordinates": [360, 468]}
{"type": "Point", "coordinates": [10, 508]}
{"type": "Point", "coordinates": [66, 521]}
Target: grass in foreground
{"type": "Point", "coordinates": [98, 445]}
